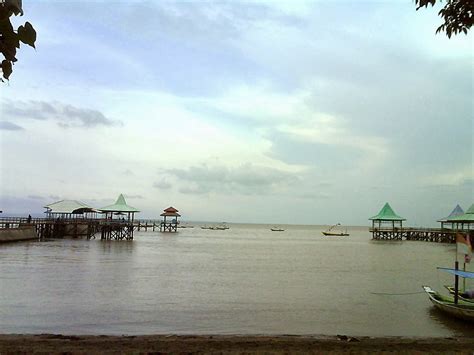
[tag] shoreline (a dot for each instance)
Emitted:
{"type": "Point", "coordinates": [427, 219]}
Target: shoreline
{"type": "Point", "coordinates": [229, 344]}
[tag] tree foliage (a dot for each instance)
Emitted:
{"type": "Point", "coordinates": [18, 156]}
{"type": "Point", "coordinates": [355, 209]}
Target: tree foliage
{"type": "Point", "coordinates": [457, 15]}
{"type": "Point", "coordinates": [10, 38]}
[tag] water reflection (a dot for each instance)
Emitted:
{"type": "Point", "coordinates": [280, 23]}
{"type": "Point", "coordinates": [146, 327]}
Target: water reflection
{"type": "Point", "coordinates": [114, 246]}
{"type": "Point", "coordinates": [459, 327]}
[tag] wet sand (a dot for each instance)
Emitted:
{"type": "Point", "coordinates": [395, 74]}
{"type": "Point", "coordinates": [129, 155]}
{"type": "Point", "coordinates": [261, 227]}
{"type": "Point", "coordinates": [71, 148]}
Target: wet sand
{"type": "Point", "coordinates": [225, 344]}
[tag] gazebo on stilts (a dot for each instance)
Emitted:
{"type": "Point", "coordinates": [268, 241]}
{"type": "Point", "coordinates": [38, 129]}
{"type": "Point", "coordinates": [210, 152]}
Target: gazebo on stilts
{"type": "Point", "coordinates": [465, 221]}
{"type": "Point", "coordinates": [166, 226]}
{"type": "Point", "coordinates": [119, 219]}
{"type": "Point", "coordinates": [457, 211]}
{"type": "Point", "coordinates": [390, 225]}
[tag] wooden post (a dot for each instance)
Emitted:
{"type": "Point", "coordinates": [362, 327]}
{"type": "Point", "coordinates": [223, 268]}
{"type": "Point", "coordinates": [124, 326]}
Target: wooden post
{"type": "Point", "coordinates": [456, 283]}
{"type": "Point", "coordinates": [464, 279]}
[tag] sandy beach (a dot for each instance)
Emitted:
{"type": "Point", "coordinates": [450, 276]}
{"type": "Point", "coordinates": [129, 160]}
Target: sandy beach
{"type": "Point", "coordinates": [228, 344]}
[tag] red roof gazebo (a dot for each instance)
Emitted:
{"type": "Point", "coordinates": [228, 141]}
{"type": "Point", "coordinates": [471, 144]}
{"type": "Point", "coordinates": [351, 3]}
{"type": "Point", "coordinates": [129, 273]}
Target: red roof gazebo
{"type": "Point", "coordinates": [170, 226]}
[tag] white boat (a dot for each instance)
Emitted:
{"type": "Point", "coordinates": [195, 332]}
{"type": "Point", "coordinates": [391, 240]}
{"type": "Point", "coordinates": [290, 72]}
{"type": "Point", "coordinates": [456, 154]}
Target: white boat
{"type": "Point", "coordinates": [221, 227]}
{"type": "Point", "coordinates": [216, 228]}
{"type": "Point", "coordinates": [334, 232]}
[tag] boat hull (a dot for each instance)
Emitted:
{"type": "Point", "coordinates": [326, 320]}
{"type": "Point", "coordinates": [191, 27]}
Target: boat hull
{"type": "Point", "coordinates": [335, 234]}
{"type": "Point", "coordinates": [462, 310]}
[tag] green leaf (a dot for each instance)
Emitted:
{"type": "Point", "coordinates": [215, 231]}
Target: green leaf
{"type": "Point", "coordinates": [6, 69]}
{"type": "Point", "coordinates": [27, 34]}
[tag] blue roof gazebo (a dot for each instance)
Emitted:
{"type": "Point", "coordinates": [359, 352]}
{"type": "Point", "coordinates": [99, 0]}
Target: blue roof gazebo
{"type": "Point", "coordinates": [457, 211]}
{"type": "Point", "coordinates": [464, 221]}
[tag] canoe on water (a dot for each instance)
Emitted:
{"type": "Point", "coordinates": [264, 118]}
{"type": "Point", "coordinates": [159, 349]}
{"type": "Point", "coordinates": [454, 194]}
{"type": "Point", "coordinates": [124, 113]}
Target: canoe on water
{"type": "Point", "coordinates": [462, 310]}
{"type": "Point", "coordinates": [341, 234]}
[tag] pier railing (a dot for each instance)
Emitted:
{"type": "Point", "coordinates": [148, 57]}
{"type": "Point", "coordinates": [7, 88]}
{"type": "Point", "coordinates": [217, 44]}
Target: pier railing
{"type": "Point", "coordinates": [73, 227]}
{"type": "Point", "coordinates": [82, 227]}
{"type": "Point", "coordinates": [439, 235]}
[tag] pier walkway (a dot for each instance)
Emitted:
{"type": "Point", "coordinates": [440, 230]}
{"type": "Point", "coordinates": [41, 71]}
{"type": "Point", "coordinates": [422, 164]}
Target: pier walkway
{"type": "Point", "coordinates": [438, 235]}
{"type": "Point", "coordinates": [114, 229]}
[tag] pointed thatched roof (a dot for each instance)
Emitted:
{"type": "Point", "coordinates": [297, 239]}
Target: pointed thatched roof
{"type": "Point", "coordinates": [387, 214]}
{"type": "Point", "coordinates": [467, 217]}
{"type": "Point", "coordinates": [456, 212]}
{"type": "Point", "coordinates": [119, 206]}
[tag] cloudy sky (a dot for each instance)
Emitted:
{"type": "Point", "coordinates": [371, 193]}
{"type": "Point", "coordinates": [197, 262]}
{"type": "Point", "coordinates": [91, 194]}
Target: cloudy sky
{"type": "Point", "coordinates": [241, 111]}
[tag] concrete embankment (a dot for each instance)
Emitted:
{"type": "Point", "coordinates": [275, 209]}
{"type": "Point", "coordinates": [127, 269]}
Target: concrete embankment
{"type": "Point", "coordinates": [8, 235]}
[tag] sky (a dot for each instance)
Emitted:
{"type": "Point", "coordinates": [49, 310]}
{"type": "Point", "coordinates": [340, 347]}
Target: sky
{"type": "Point", "coordinates": [298, 112]}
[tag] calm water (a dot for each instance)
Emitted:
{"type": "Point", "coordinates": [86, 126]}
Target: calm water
{"type": "Point", "coordinates": [245, 280]}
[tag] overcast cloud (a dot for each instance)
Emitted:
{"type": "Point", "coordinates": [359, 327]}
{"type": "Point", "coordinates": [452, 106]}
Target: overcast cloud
{"type": "Point", "coordinates": [66, 116]}
{"type": "Point", "coordinates": [8, 126]}
{"type": "Point", "coordinates": [311, 112]}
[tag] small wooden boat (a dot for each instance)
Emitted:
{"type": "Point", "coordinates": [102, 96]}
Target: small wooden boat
{"type": "Point", "coordinates": [341, 234]}
{"type": "Point", "coordinates": [461, 310]}
{"type": "Point", "coordinates": [223, 226]}
{"type": "Point", "coordinates": [332, 232]}
{"type": "Point", "coordinates": [185, 226]}
{"type": "Point", "coordinates": [455, 305]}
{"type": "Point", "coordinates": [276, 229]}
{"type": "Point", "coordinates": [215, 227]}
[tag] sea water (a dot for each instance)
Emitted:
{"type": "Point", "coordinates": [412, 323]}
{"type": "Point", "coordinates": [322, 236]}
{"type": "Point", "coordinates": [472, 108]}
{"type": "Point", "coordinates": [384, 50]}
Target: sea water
{"type": "Point", "coordinates": [244, 280]}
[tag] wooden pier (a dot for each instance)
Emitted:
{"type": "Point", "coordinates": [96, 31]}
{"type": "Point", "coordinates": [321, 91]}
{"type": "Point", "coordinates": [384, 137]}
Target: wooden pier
{"type": "Point", "coordinates": [437, 235]}
{"type": "Point", "coordinates": [115, 229]}
{"type": "Point", "coordinates": [47, 228]}
{"type": "Point", "coordinates": [145, 224]}
{"type": "Point", "coordinates": [387, 225]}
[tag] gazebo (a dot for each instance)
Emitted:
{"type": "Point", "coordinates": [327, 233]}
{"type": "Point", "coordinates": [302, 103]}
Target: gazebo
{"type": "Point", "coordinates": [120, 209]}
{"type": "Point", "coordinates": [118, 228]}
{"type": "Point", "coordinates": [68, 209]}
{"type": "Point", "coordinates": [170, 226]}
{"type": "Point", "coordinates": [387, 216]}
{"type": "Point", "coordinates": [466, 220]}
{"type": "Point", "coordinates": [71, 218]}
{"type": "Point", "coordinates": [457, 211]}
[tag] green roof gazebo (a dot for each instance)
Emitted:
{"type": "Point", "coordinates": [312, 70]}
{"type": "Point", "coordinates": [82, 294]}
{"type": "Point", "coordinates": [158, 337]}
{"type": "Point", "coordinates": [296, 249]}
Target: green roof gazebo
{"type": "Point", "coordinates": [466, 220]}
{"type": "Point", "coordinates": [387, 216]}
{"type": "Point", "coordinates": [119, 227]}
{"type": "Point", "coordinates": [119, 208]}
